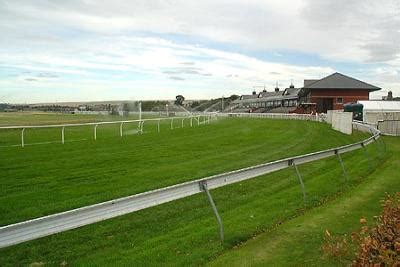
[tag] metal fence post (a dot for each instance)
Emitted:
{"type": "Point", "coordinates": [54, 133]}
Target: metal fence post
{"type": "Point", "coordinates": [367, 155]}
{"type": "Point", "coordinates": [342, 165]}
{"type": "Point", "coordinates": [62, 134]}
{"type": "Point", "coordinates": [203, 186]}
{"type": "Point", "coordinates": [172, 123]}
{"type": "Point", "coordinates": [158, 125]}
{"type": "Point", "coordinates": [120, 128]}
{"type": "Point", "coordinates": [22, 137]}
{"type": "Point", "coordinates": [191, 121]}
{"type": "Point", "coordinates": [383, 143]}
{"type": "Point", "coordinates": [291, 162]}
{"type": "Point", "coordinates": [182, 122]}
{"type": "Point", "coordinates": [198, 120]}
{"type": "Point", "coordinates": [95, 132]}
{"type": "Point", "coordinates": [141, 127]}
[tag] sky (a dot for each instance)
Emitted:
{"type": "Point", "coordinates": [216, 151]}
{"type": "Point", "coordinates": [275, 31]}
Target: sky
{"type": "Point", "coordinates": [93, 50]}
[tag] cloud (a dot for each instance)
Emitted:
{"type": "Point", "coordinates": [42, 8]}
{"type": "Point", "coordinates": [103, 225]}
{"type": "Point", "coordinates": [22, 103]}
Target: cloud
{"type": "Point", "coordinates": [176, 78]}
{"type": "Point", "coordinates": [31, 79]}
{"type": "Point", "coordinates": [217, 47]}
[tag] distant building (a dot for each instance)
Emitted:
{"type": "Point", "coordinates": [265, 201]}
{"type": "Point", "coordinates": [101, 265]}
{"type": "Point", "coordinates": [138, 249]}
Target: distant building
{"type": "Point", "coordinates": [275, 101]}
{"type": "Point", "coordinates": [331, 92]}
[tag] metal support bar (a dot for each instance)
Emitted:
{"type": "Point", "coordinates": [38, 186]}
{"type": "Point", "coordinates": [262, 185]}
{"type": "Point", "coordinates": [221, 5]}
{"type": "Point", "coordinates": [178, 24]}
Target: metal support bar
{"type": "Point", "coordinates": [203, 186]}
{"type": "Point", "coordinates": [62, 134]}
{"type": "Point", "coordinates": [378, 147]}
{"type": "Point", "coordinates": [291, 162]}
{"type": "Point", "coordinates": [120, 128]}
{"type": "Point", "coordinates": [22, 137]}
{"type": "Point", "coordinates": [95, 132]}
{"type": "Point", "coordinates": [383, 143]}
{"type": "Point", "coordinates": [342, 165]}
{"type": "Point", "coordinates": [367, 155]}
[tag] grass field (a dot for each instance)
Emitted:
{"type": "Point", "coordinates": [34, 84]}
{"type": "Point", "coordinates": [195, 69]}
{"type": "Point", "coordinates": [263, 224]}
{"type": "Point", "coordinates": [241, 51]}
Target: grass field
{"type": "Point", "coordinates": [299, 241]}
{"type": "Point", "coordinates": [40, 180]}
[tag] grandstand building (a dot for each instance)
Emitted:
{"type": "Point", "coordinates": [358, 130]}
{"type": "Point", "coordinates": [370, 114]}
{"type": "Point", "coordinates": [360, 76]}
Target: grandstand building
{"type": "Point", "coordinates": [328, 93]}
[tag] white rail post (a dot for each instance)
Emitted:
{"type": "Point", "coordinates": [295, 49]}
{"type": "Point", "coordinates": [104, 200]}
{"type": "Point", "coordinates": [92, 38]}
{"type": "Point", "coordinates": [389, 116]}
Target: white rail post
{"type": "Point", "coordinates": [140, 110]}
{"type": "Point", "coordinates": [141, 127]}
{"type": "Point", "coordinates": [172, 123]}
{"type": "Point", "coordinates": [62, 134]}
{"type": "Point", "coordinates": [95, 132]}
{"type": "Point", "coordinates": [191, 121]}
{"type": "Point", "coordinates": [22, 137]}
{"type": "Point", "coordinates": [182, 122]}
{"type": "Point", "coordinates": [203, 186]}
{"type": "Point", "coordinates": [198, 120]}
{"type": "Point", "coordinates": [158, 125]}
{"type": "Point", "coordinates": [120, 128]}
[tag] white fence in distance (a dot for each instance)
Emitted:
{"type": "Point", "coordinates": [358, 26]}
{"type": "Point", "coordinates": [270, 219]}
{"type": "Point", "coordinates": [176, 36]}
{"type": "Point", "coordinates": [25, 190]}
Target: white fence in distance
{"type": "Point", "coordinates": [197, 119]}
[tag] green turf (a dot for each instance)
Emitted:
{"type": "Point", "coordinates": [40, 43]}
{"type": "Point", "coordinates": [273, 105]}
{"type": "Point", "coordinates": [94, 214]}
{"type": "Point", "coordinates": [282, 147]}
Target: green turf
{"type": "Point", "coordinates": [299, 241]}
{"type": "Point", "coordinates": [43, 179]}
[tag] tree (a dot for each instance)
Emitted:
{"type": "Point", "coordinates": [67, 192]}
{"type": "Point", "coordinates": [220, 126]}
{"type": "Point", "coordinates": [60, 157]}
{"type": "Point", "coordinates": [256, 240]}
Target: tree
{"type": "Point", "coordinates": [179, 100]}
{"type": "Point", "coordinates": [233, 97]}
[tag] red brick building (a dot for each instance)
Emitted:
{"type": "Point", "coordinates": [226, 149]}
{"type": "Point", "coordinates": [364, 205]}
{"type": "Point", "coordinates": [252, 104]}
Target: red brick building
{"type": "Point", "coordinates": [332, 92]}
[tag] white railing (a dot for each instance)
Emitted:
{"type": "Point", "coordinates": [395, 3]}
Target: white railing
{"type": "Point", "coordinates": [197, 119]}
{"type": "Point", "coordinates": [44, 226]}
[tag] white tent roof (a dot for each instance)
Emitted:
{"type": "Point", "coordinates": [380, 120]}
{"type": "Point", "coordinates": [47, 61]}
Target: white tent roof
{"type": "Point", "coordinates": [380, 106]}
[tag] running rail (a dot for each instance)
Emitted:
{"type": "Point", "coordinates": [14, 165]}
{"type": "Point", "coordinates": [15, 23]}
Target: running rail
{"type": "Point", "coordinates": [96, 123]}
{"type": "Point", "coordinates": [32, 229]}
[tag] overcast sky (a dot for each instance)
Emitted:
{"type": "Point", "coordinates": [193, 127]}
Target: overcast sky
{"type": "Point", "coordinates": [77, 50]}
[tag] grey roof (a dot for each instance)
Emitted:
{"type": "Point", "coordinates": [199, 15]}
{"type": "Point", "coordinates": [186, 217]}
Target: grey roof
{"type": "Point", "coordinates": [244, 97]}
{"type": "Point", "coordinates": [340, 81]}
{"type": "Point", "coordinates": [308, 82]}
{"type": "Point", "coordinates": [291, 91]}
{"type": "Point", "coordinates": [268, 94]}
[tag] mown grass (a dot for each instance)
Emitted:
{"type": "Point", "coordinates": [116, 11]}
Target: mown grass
{"type": "Point", "coordinates": [183, 232]}
{"type": "Point", "coordinates": [300, 241]}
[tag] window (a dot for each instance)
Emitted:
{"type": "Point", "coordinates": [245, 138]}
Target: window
{"type": "Point", "coordinates": [339, 100]}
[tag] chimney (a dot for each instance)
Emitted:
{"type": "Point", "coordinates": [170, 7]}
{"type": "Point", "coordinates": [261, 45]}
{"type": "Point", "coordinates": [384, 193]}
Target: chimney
{"type": "Point", "coordinates": [390, 95]}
